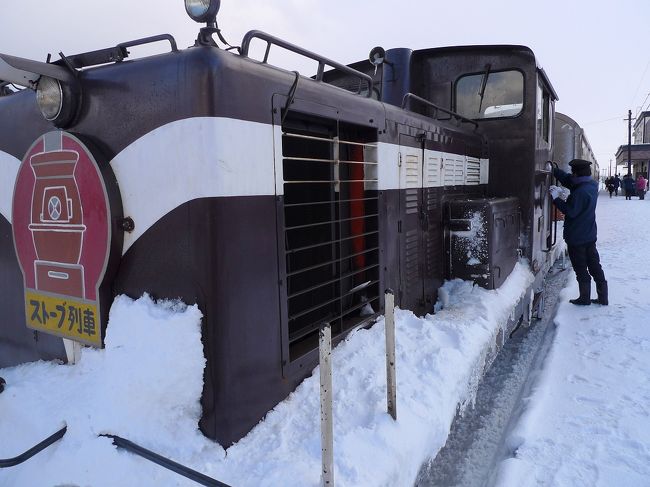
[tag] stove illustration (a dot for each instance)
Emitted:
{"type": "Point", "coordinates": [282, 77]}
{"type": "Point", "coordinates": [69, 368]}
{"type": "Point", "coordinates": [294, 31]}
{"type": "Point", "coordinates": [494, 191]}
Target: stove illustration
{"type": "Point", "coordinates": [57, 224]}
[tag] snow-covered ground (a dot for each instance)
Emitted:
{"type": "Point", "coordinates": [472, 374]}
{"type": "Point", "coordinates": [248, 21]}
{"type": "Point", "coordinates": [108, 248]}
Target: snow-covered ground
{"type": "Point", "coordinates": [588, 420]}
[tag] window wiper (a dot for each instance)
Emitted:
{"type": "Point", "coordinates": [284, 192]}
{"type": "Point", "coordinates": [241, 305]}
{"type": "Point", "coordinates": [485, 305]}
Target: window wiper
{"type": "Point", "coordinates": [484, 79]}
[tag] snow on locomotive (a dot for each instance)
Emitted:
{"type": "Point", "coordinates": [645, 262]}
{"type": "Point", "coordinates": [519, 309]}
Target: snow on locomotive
{"type": "Point", "coordinates": [274, 201]}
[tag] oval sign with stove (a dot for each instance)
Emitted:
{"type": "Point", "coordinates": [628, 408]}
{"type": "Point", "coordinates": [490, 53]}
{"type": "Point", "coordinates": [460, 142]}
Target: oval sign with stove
{"type": "Point", "coordinates": [62, 233]}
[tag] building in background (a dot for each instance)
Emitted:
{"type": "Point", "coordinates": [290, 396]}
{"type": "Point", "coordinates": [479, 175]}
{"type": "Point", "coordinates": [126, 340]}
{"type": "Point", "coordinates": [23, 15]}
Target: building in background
{"type": "Point", "coordinates": [640, 148]}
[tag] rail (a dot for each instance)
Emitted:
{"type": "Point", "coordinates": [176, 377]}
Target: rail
{"type": "Point", "coordinates": [186, 472]}
{"type": "Point", "coordinates": [410, 96]}
{"type": "Point", "coordinates": [322, 61]}
{"type": "Point", "coordinates": [12, 462]}
{"type": "Point", "coordinates": [114, 54]}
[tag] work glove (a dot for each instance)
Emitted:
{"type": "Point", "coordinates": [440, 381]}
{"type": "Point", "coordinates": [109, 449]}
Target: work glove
{"type": "Point", "coordinates": [554, 191]}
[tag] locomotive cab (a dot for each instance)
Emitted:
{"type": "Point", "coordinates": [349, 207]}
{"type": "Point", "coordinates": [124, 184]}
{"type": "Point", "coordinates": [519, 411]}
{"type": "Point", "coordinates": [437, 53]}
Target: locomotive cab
{"type": "Point", "coordinates": [512, 104]}
{"type": "Point", "coordinates": [512, 100]}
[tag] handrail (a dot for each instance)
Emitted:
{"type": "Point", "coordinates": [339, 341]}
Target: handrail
{"type": "Point", "coordinates": [553, 221]}
{"type": "Point", "coordinates": [322, 61]}
{"type": "Point", "coordinates": [148, 40]}
{"type": "Point", "coordinates": [187, 472]}
{"type": "Point", "coordinates": [410, 96]}
{"type": "Point", "coordinates": [114, 54]}
{"type": "Point", "coordinates": [12, 462]}
{"type": "Point", "coordinates": [554, 211]}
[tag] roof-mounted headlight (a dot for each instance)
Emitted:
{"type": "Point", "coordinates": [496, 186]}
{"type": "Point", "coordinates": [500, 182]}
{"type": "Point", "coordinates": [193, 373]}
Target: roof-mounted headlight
{"type": "Point", "coordinates": [203, 10]}
{"type": "Point", "coordinates": [57, 101]}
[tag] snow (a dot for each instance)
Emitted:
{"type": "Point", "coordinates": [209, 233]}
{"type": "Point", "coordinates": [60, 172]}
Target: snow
{"type": "Point", "coordinates": [586, 421]}
{"type": "Point", "coordinates": [588, 418]}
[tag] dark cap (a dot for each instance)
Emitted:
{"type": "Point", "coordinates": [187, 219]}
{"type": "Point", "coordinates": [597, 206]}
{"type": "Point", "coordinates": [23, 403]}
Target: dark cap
{"type": "Point", "coordinates": [579, 163]}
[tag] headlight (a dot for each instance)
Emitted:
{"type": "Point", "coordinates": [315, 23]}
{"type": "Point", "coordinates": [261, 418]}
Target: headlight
{"type": "Point", "coordinates": [58, 101]}
{"type": "Point", "coordinates": [202, 10]}
{"type": "Point", "coordinates": [49, 96]}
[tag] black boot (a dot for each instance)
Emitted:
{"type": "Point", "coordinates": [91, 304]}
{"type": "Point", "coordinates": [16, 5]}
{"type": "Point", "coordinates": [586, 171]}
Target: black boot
{"type": "Point", "coordinates": [585, 294]}
{"type": "Point", "coordinates": [601, 289]}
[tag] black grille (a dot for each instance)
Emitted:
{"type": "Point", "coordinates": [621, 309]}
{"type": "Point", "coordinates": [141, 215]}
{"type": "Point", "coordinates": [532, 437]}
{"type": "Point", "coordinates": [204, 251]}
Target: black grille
{"type": "Point", "coordinates": [331, 250]}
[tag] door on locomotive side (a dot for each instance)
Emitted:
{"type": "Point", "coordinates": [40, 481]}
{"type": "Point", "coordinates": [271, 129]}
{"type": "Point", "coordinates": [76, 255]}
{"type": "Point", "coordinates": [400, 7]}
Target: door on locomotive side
{"type": "Point", "coordinates": [425, 171]}
{"type": "Point", "coordinates": [411, 245]}
{"type": "Point", "coordinates": [544, 119]}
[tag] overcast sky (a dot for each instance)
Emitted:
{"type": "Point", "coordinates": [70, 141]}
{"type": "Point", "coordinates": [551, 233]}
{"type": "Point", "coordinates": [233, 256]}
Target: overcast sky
{"type": "Point", "coordinates": [596, 52]}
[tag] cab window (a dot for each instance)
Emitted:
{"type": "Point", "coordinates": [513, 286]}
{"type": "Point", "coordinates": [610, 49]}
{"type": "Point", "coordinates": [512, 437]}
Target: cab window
{"type": "Point", "coordinates": [490, 94]}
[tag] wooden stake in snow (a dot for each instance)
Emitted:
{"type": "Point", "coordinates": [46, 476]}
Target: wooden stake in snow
{"type": "Point", "coordinates": [391, 386]}
{"type": "Point", "coordinates": [72, 350]}
{"type": "Point", "coordinates": [326, 424]}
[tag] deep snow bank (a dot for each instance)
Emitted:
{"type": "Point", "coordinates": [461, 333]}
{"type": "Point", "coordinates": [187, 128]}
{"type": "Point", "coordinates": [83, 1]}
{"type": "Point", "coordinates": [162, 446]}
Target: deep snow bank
{"type": "Point", "coordinates": [146, 386]}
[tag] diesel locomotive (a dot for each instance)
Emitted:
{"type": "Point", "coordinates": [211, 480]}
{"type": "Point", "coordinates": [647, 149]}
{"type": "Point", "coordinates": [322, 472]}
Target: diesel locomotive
{"type": "Point", "coordinates": [273, 200]}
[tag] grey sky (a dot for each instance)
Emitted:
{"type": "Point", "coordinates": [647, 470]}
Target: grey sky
{"type": "Point", "coordinates": [595, 52]}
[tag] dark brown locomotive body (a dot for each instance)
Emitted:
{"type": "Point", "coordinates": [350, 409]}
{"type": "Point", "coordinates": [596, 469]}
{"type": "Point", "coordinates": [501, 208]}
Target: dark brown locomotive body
{"type": "Point", "coordinates": [298, 203]}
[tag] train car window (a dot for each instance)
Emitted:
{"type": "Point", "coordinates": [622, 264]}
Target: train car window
{"type": "Point", "coordinates": [490, 94]}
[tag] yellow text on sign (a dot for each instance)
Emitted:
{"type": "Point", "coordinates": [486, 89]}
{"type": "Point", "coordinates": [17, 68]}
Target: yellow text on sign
{"type": "Point", "coordinates": [63, 316]}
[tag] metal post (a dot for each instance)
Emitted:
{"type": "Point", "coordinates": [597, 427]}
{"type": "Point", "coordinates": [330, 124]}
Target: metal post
{"type": "Point", "coordinates": [326, 424]}
{"type": "Point", "coordinates": [629, 141]}
{"type": "Point", "coordinates": [391, 386]}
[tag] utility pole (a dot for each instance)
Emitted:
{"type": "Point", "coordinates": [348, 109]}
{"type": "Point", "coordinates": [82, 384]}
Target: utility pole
{"type": "Point", "coordinates": [629, 142]}
{"type": "Point", "coordinates": [610, 168]}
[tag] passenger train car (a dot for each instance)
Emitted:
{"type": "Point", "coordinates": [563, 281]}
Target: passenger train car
{"type": "Point", "coordinates": [274, 201]}
{"type": "Point", "coordinates": [571, 143]}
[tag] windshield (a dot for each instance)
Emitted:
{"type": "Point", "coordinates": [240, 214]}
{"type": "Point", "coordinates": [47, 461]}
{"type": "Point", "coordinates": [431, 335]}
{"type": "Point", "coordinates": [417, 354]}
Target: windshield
{"type": "Point", "coordinates": [490, 94]}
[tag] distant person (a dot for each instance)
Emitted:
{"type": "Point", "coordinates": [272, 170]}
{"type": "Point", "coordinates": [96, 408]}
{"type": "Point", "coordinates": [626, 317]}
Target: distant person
{"type": "Point", "coordinates": [609, 185]}
{"type": "Point", "coordinates": [580, 229]}
{"type": "Point", "coordinates": [628, 186]}
{"type": "Point", "coordinates": [617, 184]}
{"type": "Point", "coordinates": [641, 184]}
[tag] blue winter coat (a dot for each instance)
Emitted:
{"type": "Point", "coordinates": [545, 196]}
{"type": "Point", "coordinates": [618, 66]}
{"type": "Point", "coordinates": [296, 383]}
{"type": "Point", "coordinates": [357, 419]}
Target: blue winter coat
{"type": "Point", "coordinates": [579, 209]}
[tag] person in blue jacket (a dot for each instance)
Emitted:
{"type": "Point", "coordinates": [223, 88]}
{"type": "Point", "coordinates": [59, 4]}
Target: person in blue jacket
{"type": "Point", "coordinates": [628, 185]}
{"type": "Point", "coordinates": [580, 229]}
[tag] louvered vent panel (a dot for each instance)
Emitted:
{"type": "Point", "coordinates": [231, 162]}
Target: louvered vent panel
{"type": "Point", "coordinates": [412, 171]}
{"type": "Point", "coordinates": [411, 201]}
{"type": "Point", "coordinates": [412, 241]}
{"type": "Point", "coordinates": [432, 171]}
{"type": "Point", "coordinates": [454, 167]}
{"type": "Point", "coordinates": [473, 171]}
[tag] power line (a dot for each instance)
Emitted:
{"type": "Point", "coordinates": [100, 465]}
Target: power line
{"type": "Point", "coordinates": [640, 83]}
{"type": "Point", "coordinates": [641, 106]}
{"type": "Point", "coordinates": [602, 121]}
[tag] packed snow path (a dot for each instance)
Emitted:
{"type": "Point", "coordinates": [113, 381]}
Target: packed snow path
{"type": "Point", "coordinates": [588, 420]}
{"type": "Point", "coordinates": [475, 443]}
{"type": "Point", "coordinates": [585, 415]}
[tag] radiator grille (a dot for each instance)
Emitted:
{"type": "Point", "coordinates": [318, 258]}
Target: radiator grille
{"type": "Point", "coordinates": [331, 244]}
